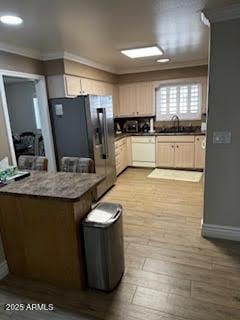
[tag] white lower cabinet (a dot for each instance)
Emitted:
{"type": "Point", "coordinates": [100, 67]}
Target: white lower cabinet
{"type": "Point", "coordinates": [184, 155]}
{"type": "Point", "coordinates": [121, 154]}
{"type": "Point", "coordinates": [183, 152]}
{"type": "Point", "coordinates": [200, 145]}
{"type": "Point", "coordinates": [165, 154]}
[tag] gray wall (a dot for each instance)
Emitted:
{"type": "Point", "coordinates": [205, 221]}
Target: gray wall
{"type": "Point", "coordinates": [16, 63]}
{"type": "Point", "coordinates": [20, 106]}
{"type": "Point", "coordinates": [4, 147]}
{"type": "Point", "coordinates": [222, 190]}
{"type": "Point", "coordinates": [19, 63]}
{"type": "Point", "coordinates": [4, 151]}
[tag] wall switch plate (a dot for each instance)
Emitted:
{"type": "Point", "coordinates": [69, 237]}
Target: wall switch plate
{"type": "Point", "coordinates": [59, 109]}
{"type": "Point", "coordinates": [222, 137]}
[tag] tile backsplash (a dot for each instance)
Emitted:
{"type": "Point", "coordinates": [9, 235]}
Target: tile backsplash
{"type": "Point", "coordinates": [160, 124]}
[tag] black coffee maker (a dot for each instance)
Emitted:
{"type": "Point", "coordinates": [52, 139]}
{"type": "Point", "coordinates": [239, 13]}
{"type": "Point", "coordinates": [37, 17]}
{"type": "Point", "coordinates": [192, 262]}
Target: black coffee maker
{"type": "Point", "coordinates": [145, 127]}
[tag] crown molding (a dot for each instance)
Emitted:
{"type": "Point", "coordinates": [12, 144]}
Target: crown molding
{"type": "Point", "coordinates": [72, 57]}
{"type": "Point", "coordinates": [34, 54]}
{"type": "Point", "coordinates": [52, 56]}
{"type": "Point", "coordinates": [167, 66]}
{"type": "Point", "coordinates": [221, 14]}
{"type": "Point", "coordinates": [69, 56]}
{"type": "Point", "coordinates": [26, 52]}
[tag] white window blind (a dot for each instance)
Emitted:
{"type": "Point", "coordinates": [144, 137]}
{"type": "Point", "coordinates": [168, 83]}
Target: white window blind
{"type": "Point", "coordinates": [183, 100]}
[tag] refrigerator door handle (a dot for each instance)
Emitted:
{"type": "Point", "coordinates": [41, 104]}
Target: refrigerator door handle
{"type": "Point", "coordinates": [101, 113]}
{"type": "Point", "coordinates": [105, 135]}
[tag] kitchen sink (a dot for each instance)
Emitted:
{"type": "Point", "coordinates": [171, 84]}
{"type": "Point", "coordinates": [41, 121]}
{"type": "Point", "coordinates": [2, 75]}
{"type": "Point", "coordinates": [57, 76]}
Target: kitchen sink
{"type": "Point", "coordinates": [178, 130]}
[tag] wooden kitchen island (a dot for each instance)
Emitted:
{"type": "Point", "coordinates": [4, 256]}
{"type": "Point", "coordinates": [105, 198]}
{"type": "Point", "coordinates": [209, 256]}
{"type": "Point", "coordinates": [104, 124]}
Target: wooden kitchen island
{"type": "Point", "coordinates": [40, 224]}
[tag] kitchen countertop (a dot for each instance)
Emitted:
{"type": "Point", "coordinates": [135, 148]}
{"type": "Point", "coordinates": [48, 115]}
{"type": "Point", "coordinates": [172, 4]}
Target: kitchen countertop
{"type": "Point", "coordinates": [123, 135]}
{"type": "Point", "coordinates": [60, 185]}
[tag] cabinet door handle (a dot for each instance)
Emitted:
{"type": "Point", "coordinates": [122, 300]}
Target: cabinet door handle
{"type": "Point", "coordinates": [172, 146]}
{"type": "Point", "coordinates": [177, 146]}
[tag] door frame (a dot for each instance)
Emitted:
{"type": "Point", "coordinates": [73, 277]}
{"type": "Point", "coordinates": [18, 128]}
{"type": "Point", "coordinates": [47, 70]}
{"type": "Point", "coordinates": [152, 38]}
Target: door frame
{"type": "Point", "coordinates": [41, 92]}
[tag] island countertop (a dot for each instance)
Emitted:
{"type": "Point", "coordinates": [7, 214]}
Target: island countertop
{"type": "Point", "coordinates": [60, 185]}
{"type": "Point", "coordinates": [41, 226]}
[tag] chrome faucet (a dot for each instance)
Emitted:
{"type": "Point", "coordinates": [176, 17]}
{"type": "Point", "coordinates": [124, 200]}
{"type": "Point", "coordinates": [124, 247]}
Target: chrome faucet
{"type": "Point", "coordinates": [176, 122]}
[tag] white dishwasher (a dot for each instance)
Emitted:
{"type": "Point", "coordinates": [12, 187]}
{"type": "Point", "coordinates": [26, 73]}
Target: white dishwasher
{"type": "Point", "coordinates": [143, 151]}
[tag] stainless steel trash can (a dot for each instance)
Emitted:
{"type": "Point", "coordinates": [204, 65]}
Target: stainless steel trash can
{"type": "Point", "coordinates": [104, 250]}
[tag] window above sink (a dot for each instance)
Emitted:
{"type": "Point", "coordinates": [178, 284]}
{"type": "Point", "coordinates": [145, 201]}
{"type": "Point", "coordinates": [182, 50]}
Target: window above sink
{"type": "Point", "coordinates": [183, 98]}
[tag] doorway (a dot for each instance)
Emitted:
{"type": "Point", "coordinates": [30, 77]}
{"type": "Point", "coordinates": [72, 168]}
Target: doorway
{"type": "Point", "coordinates": [27, 122]}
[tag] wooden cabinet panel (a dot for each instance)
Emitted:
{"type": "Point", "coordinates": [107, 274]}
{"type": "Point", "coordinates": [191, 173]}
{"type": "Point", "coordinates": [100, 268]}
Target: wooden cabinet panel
{"type": "Point", "coordinates": [122, 154]}
{"type": "Point", "coordinates": [180, 152]}
{"type": "Point", "coordinates": [165, 139]}
{"type": "Point", "coordinates": [199, 152]}
{"type": "Point", "coordinates": [102, 88]}
{"type": "Point", "coordinates": [107, 89]}
{"type": "Point", "coordinates": [184, 155]}
{"type": "Point", "coordinates": [129, 151]}
{"type": "Point", "coordinates": [90, 86]}
{"type": "Point", "coordinates": [87, 86]}
{"type": "Point", "coordinates": [72, 85]}
{"type": "Point", "coordinates": [61, 86]}
{"type": "Point", "coordinates": [127, 100]}
{"type": "Point", "coordinates": [31, 251]}
{"type": "Point", "coordinates": [136, 99]}
{"type": "Point", "coordinates": [115, 100]}
{"type": "Point", "coordinates": [183, 138]}
{"type": "Point", "coordinates": [125, 155]}
{"type": "Point", "coordinates": [76, 86]}
{"type": "Point", "coordinates": [144, 98]}
{"type": "Point", "coordinates": [165, 154]}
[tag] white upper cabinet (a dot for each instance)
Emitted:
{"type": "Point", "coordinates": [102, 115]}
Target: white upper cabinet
{"type": "Point", "coordinates": [71, 86]}
{"type": "Point", "coordinates": [127, 100]}
{"type": "Point", "coordinates": [136, 99]}
{"type": "Point", "coordinates": [144, 98]}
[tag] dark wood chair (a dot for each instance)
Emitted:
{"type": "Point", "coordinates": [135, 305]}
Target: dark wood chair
{"type": "Point", "coordinates": [26, 162]}
{"type": "Point", "coordinates": [41, 149]}
{"type": "Point", "coordinates": [75, 164]}
{"type": "Point", "coordinates": [28, 140]}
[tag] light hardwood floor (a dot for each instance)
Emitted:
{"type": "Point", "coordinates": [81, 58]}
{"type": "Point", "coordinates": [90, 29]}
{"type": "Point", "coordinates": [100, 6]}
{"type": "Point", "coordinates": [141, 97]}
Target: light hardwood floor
{"type": "Point", "coordinates": [172, 273]}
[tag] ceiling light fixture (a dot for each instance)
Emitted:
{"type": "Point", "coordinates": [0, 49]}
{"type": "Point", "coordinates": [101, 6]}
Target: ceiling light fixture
{"type": "Point", "coordinates": [11, 20]}
{"type": "Point", "coordinates": [163, 60]}
{"type": "Point", "coordinates": [142, 52]}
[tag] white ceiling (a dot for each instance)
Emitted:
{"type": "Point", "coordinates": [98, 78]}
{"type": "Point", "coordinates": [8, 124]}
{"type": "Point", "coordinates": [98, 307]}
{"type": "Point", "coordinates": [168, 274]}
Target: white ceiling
{"type": "Point", "coordinates": [98, 29]}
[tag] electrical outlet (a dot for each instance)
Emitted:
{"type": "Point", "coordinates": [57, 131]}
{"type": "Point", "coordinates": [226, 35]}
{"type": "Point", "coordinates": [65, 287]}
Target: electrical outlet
{"type": "Point", "coordinates": [222, 137]}
{"type": "Point", "coordinates": [59, 109]}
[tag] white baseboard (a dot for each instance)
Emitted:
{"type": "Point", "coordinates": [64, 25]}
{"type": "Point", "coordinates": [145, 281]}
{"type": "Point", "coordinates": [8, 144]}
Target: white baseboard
{"type": "Point", "coordinates": [220, 232]}
{"type": "Point", "coordinates": [143, 164]}
{"type": "Point", "coordinates": [3, 269]}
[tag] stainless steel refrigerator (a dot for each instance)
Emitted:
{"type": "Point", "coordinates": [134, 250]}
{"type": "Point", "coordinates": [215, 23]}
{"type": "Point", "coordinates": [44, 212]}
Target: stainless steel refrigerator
{"type": "Point", "coordinates": [83, 127]}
